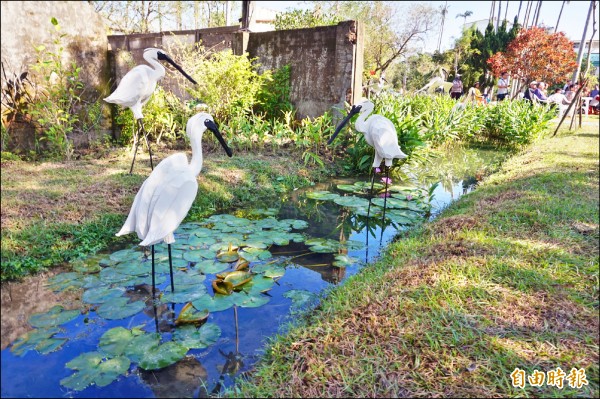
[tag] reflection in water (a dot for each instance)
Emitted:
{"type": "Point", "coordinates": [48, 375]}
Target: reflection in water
{"type": "Point", "coordinates": [179, 380]}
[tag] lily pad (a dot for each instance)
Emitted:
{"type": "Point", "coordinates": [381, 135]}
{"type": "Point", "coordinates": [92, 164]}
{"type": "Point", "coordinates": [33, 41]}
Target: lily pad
{"type": "Point", "coordinates": [93, 369]}
{"type": "Point", "coordinates": [258, 285]}
{"type": "Point", "coordinates": [183, 293]}
{"type": "Point", "coordinates": [214, 303]}
{"type": "Point", "coordinates": [199, 255]}
{"type": "Point", "coordinates": [255, 254]}
{"type": "Point", "coordinates": [210, 266]}
{"type": "Point", "coordinates": [238, 278]}
{"type": "Point", "coordinates": [189, 315]}
{"type": "Point", "coordinates": [90, 265]}
{"type": "Point", "coordinates": [250, 301]}
{"type": "Point", "coordinates": [222, 287]}
{"type": "Point", "coordinates": [300, 297]}
{"type": "Point", "coordinates": [140, 345]}
{"type": "Point", "coordinates": [322, 195]}
{"type": "Point", "coordinates": [229, 255]}
{"type": "Point", "coordinates": [63, 281]}
{"type": "Point", "coordinates": [269, 270]}
{"type": "Point", "coordinates": [163, 355]}
{"type": "Point", "coordinates": [114, 341]}
{"type": "Point", "coordinates": [126, 254]}
{"type": "Point", "coordinates": [350, 201]}
{"type": "Point", "coordinates": [192, 337]}
{"type": "Point", "coordinates": [295, 223]}
{"type": "Point", "coordinates": [342, 260]}
{"type": "Point", "coordinates": [56, 316]}
{"type": "Point", "coordinates": [41, 340]}
{"type": "Point", "coordinates": [101, 294]}
{"type": "Point", "coordinates": [119, 308]}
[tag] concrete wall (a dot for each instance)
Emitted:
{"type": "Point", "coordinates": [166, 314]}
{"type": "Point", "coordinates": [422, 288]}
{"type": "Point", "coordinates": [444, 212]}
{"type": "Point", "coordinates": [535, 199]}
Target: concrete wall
{"type": "Point", "coordinates": [26, 24]}
{"type": "Point", "coordinates": [326, 62]}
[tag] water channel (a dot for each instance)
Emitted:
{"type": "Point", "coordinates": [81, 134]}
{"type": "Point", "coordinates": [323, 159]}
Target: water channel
{"type": "Point", "coordinates": [297, 249]}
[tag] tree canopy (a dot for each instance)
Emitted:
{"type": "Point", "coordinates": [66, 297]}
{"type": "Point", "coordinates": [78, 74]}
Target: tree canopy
{"type": "Point", "coordinates": [536, 54]}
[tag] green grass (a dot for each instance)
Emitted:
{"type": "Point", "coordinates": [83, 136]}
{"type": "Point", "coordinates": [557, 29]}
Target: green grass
{"type": "Point", "coordinates": [505, 278]}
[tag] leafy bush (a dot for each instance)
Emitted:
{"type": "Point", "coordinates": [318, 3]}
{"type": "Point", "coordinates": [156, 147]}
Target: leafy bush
{"type": "Point", "coordinates": [273, 98]}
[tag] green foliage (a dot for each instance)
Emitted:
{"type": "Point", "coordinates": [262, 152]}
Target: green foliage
{"type": "Point", "coordinates": [298, 19]}
{"type": "Point", "coordinates": [273, 98]}
{"type": "Point", "coordinates": [514, 123]}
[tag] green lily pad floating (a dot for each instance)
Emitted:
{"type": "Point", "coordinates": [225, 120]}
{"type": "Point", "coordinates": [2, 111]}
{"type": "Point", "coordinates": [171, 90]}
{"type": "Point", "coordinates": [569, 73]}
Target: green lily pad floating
{"type": "Point", "coordinates": [93, 369]}
{"type": "Point", "coordinates": [259, 285]}
{"type": "Point", "coordinates": [163, 355]}
{"type": "Point", "coordinates": [41, 340]}
{"type": "Point", "coordinates": [254, 254]}
{"type": "Point", "coordinates": [183, 293]}
{"type": "Point", "coordinates": [295, 223]}
{"type": "Point", "coordinates": [90, 265]}
{"type": "Point", "coordinates": [250, 301]}
{"type": "Point", "coordinates": [199, 255]}
{"type": "Point", "coordinates": [350, 201]}
{"type": "Point", "coordinates": [63, 281]}
{"type": "Point", "coordinates": [126, 254]}
{"type": "Point", "coordinates": [322, 245]}
{"type": "Point", "coordinates": [269, 270]}
{"type": "Point", "coordinates": [300, 297]}
{"type": "Point", "coordinates": [189, 315]}
{"type": "Point", "coordinates": [101, 294]}
{"type": "Point", "coordinates": [210, 266]}
{"type": "Point", "coordinates": [322, 195]}
{"type": "Point", "coordinates": [229, 255]}
{"type": "Point", "coordinates": [114, 341]}
{"type": "Point", "coordinates": [342, 260]}
{"type": "Point", "coordinates": [110, 276]}
{"type": "Point", "coordinates": [215, 303]}
{"type": "Point", "coordinates": [260, 242]}
{"type": "Point", "coordinates": [130, 268]}
{"type": "Point", "coordinates": [56, 316]}
{"type": "Point", "coordinates": [192, 337]}
{"type": "Point", "coordinates": [352, 244]}
{"type": "Point", "coordinates": [119, 308]}
{"type": "Point", "coordinates": [201, 241]}
{"type": "Point", "coordinates": [360, 187]}
{"type": "Point", "coordinates": [141, 344]}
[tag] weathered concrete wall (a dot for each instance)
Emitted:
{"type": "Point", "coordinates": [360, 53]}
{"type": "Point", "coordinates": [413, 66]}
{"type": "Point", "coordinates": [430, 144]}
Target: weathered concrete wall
{"type": "Point", "coordinates": [26, 24]}
{"type": "Point", "coordinates": [326, 63]}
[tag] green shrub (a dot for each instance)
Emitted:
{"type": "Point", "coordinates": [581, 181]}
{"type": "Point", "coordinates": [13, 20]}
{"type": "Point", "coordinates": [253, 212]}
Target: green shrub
{"type": "Point", "coordinates": [273, 98]}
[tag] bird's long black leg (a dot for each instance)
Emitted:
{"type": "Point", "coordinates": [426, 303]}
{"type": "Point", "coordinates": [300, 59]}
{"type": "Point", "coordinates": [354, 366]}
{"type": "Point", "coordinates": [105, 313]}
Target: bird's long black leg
{"type": "Point", "coordinates": [369, 214]}
{"type": "Point", "coordinates": [147, 143]}
{"type": "Point", "coordinates": [387, 175]}
{"type": "Point", "coordinates": [155, 316]}
{"type": "Point", "coordinates": [153, 281]}
{"type": "Point", "coordinates": [171, 269]}
{"type": "Point", "coordinates": [136, 142]}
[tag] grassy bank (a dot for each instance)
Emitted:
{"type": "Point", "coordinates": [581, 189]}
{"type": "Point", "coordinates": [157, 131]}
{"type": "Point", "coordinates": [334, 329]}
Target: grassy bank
{"type": "Point", "coordinates": [506, 278]}
{"type": "Point", "coordinates": [54, 212]}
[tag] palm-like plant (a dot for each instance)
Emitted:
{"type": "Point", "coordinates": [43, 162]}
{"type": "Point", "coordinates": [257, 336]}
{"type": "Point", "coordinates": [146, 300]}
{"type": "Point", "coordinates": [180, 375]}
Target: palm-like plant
{"type": "Point", "coordinates": [444, 11]}
{"type": "Point", "coordinates": [465, 15]}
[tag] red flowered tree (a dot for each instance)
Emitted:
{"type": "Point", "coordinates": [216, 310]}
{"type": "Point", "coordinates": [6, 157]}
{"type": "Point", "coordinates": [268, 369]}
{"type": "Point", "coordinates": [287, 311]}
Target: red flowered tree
{"type": "Point", "coordinates": [536, 55]}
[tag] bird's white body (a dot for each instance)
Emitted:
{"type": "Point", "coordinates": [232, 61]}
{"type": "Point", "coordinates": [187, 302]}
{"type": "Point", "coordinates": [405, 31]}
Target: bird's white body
{"type": "Point", "coordinates": [137, 86]}
{"type": "Point", "coordinates": [167, 195]}
{"type": "Point", "coordinates": [380, 133]}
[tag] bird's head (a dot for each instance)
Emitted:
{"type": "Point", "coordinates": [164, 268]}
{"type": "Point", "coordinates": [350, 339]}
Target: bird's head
{"type": "Point", "coordinates": [198, 124]}
{"type": "Point", "coordinates": [357, 108]}
{"type": "Point", "coordinates": [161, 55]}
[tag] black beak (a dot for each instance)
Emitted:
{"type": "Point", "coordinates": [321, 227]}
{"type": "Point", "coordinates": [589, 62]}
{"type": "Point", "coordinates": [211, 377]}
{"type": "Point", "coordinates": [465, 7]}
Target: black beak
{"type": "Point", "coordinates": [164, 57]}
{"type": "Point", "coordinates": [355, 110]}
{"type": "Point", "coordinates": [213, 128]}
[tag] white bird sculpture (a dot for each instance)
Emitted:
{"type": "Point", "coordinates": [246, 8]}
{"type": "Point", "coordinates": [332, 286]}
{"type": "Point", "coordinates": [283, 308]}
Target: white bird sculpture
{"type": "Point", "coordinates": [167, 194]}
{"type": "Point", "coordinates": [136, 88]}
{"type": "Point", "coordinates": [380, 133]}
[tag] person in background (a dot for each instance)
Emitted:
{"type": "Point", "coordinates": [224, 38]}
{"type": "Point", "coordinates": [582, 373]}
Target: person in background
{"type": "Point", "coordinates": [474, 95]}
{"type": "Point", "coordinates": [540, 92]}
{"type": "Point", "coordinates": [560, 100]}
{"type": "Point", "coordinates": [570, 94]}
{"type": "Point", "coordinates": [502, 86]}
{"type": "Point", "coordinates": [594, 92]}
{"type": "Point", "coordinates": [457, 87]}
{"type": "Point", "coordinates": [528, 95]}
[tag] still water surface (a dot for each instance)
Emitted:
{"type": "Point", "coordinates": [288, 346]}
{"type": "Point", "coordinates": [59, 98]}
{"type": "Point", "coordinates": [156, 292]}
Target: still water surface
{"type": "Point", "coordinates": [244, 331]}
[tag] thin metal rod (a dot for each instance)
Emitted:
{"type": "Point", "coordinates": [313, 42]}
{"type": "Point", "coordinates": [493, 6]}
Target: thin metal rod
{"type": "Point", "coordinates": [153, 280]}
{"type": "Point", "coordinates": [136, 142]}
{"type": "Point", "coordinates": [147, 143]}
{"type": "Point", "coordinates": [387, 176]}
{"type": "Point", "coordinates": [171, 269]}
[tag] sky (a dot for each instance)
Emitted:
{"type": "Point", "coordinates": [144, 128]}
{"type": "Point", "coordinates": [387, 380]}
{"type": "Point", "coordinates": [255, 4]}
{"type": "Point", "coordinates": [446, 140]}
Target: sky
{"type": "Point", "coordinates": [572, 20]}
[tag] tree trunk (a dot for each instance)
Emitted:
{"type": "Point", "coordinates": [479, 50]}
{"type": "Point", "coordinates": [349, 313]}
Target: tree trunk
{"type": "Point", "coordinates": [498, 17]}
{"type": "Point", "coordinates": [559, 14]}
{"type": "Point", "coordinates": [506, 11]}
{"type": "Point", "coordinates": [539, 9]}
{"type": "Point", "coordinates": [582, 44]}
{"type": "Point", "coordinates": [519, 12]}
